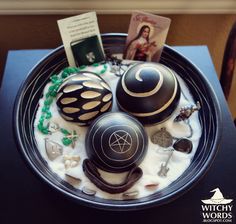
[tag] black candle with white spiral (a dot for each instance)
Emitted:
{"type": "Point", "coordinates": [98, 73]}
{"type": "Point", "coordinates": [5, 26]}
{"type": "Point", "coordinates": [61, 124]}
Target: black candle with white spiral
{"type": "Point", "coordinates": [148, 91]}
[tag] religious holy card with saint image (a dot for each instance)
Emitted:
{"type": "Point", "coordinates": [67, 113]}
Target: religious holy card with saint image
{"type": "Point", "coordinates": [146, 37]}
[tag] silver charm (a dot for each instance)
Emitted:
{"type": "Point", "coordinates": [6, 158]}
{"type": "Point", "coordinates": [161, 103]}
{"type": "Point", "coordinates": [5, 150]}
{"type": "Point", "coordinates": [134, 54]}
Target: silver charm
{"type": "Point", "coordinates": [53, 149]}
{"type": "Point", "coordinates": [186, 112]}
{"type": "Point", "coordinates": [162, 138]}
{"type": "Point", "coordinates": [164, 169]}
{"type": "Point", "coordinates": [53, 127]}
{"type": "Point", "coordinates": [117, 67]}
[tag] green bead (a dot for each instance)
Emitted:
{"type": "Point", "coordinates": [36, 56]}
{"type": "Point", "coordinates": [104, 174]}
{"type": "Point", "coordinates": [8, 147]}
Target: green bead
{"type": "Point", "coordinates": [48, 101]}
{"type": "Point", "coordinates": [45, 109]}
{"type": "Point", "coordinates": [54, 78]}
{"type": "Point", "coordinates": [65, 132]}
{"type": "Point", "coordinates": [53, 94]}
{"type": "Point", "coordinates": [66, 141]}
{"type": "Point", "coordinates": [69, 70]}
{"type": "Point", "coordinates": [45, 131]}
{"type": "Point", "coordinates": [64, 74]}
{"type": "Point", "coordinates": [76, 69]}
{"type": "Point", "coordinates": [82, 66]}
{"type": "Point", "coordinates": [48, 115]}
{"type": "Point", "coordinates": [59, 82]}
{"type": "Point", "coordinates": [102, 71]}
{"type": "Point", "coordinates": [95, 64]}
{"type": "Point", "coordinates": [51, 88]}
{"type": "Point", "coordinates": [41, 120]}
{"type": "Point", "coordinates": [40, 126]}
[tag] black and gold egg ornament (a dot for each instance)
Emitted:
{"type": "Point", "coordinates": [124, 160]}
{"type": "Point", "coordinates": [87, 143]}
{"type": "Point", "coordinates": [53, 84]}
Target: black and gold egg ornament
{"type": "Point", "coordinates": [116, 142]}
{"type": "Point", "coordinates": [148, 91]}
{"type": "Point", "coordinates": [82, 97]}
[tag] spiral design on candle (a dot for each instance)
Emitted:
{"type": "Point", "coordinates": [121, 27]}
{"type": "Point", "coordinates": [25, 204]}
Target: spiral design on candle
{"type": "Point", "coordinates": [140, 77]}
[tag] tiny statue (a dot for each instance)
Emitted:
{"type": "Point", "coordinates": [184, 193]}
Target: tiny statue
{"type": "Point", "coordinates": [187, 111]}
{"type": "Point", "coordinates": [82, 97]}
{"type": "Point", "coordinates": [115, 142]}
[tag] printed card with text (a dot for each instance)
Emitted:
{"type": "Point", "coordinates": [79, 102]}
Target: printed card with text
{"type": "Point", "coordinates": [81, 39]}
{"type": "Point", "coordinates": [146, 37]}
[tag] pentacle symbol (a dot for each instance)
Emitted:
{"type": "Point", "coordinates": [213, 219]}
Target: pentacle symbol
{"type": "Point", "coordinates": [120, 141]}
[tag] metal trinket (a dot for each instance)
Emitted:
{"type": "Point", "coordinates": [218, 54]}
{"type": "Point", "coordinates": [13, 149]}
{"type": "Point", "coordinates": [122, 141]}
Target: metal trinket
{"type": "Point", "coordinates": [162, 138]}
{"type": "Point", "coordinates": [53, 127]}
{"type": "Point", "coordinates": [117, 67]}
{"type": "Point", "coordinates": [187, 111]}
{"type": "Point", "coordinates": [164, 169]}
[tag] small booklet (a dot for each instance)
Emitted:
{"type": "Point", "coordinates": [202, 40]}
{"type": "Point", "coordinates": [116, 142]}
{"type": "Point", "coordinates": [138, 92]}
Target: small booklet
{"type": "Point", "coordinates": [81, 39]}
{"type": "Point", "coordinates": [146, 37]}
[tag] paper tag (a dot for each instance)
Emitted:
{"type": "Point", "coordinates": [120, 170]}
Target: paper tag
{"type": "Point", "coordinates": [75, 32]}
{"type": "Point", "coordinates": [146, 37]}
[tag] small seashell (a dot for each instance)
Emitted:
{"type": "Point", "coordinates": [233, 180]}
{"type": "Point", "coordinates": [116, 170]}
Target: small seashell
{"type": "Point", "coordinates": [72, 180]}
{"type": "Point", "coordinates": [67, 164]}
{"type": "Point", "coordinates": [88, 191]}
{"type": "Point", "coordinates": [131, 194]}
{"type": "Point", "coordinates": [152, 186]}
{"type": "Point", "coordinates": [73, 163]}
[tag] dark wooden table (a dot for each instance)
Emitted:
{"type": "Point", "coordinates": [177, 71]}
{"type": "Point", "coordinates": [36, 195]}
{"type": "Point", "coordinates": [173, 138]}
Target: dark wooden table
{"type": "Point", "coordinates": [25, 199]}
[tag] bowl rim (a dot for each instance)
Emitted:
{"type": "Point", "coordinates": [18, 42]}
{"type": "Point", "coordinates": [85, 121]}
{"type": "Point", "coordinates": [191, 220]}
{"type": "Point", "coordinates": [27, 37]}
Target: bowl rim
{"type": "Point", "coordinates": [125, 206]}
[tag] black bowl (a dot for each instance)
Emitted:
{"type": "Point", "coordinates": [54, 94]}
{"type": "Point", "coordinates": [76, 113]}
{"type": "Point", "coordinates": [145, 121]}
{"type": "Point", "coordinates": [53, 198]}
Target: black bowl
{"type": "Point", "coordinates": [210, 118]}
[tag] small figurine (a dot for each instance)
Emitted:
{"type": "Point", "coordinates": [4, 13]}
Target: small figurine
{"type": "Point", "coordinates": [187, 111]}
